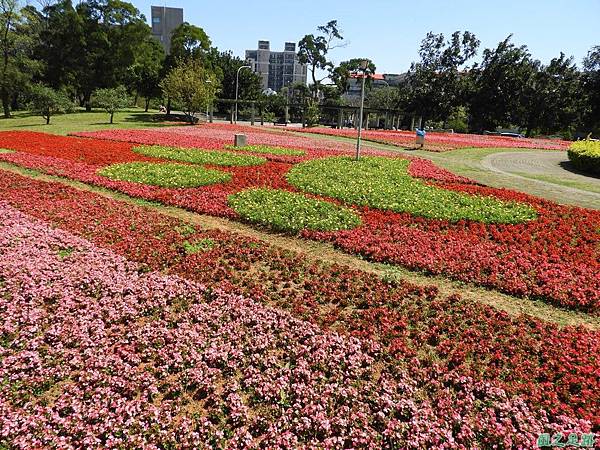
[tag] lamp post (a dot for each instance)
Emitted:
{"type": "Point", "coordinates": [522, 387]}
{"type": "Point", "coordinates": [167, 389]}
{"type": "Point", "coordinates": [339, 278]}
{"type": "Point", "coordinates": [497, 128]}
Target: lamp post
{"type": "Point", "coordinates": [363, 66]}
{"type": "Point", "coordinates": [237, 88]}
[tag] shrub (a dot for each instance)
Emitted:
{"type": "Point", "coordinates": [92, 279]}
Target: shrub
{"type": "Point", "coordinates": [585, 156]}
{"type": "Point", "coordinates": [384, 183]}
{"type": "Point", "coordinates": [164, 175]}
{"type": "Point", "coordinates": [47, 102]}
{"type": "Point", "coordinates": [289, 211]}
{"type": "Point", "coordinates": [268, 150]}
{"type": "Point", "coordinates": [197, 156]}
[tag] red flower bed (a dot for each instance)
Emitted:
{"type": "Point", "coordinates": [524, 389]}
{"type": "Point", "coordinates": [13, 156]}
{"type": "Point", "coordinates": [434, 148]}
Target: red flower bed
{"type": "Point", "coordinates": [554, 258]}
{"type": "Point", "coordinates": [445, 141]}
{"type": "Point", "coordinates": [447, 344]}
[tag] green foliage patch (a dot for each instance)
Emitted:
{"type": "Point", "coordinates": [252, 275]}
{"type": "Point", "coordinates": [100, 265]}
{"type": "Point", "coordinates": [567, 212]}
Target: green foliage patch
{"type": "Point", "coordinates": [164, 175]}
{"type": "Point", "coordinates": [384, 183]}
{"type": "Point", "coordinates": [585, 156]}
{"type": "Point", "coordinates": [197, 156]}
{"type": "Point", "coordinates": [292, 212]}
{"type": "Point", "coordinates": [268, 150]}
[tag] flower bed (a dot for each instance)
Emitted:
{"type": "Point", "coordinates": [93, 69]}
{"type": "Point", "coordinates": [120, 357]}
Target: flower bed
{"type": "Point", "coordinates": [267, 149]}
{"type": "Point", "coordinates": [554, 258]}
{"type": "Point", "coordinates": [290, 211]}
{"type": "Point", "coordinates": [440, 142]}
{"type": "Point", "coordinates": [438, 338]}
{"type": "Point", "coordinates": [384, 183]}
{"type": "Point", "coordinates": [585, 156]}
{"type": "Point", "coordinates": [196, 156]}
{"type": "Point", "coordinates": [164, 175]}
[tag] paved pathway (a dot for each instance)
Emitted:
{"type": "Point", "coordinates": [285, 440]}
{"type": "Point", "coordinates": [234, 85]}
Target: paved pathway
{"type": "Point", "coordinates": [551, 169]}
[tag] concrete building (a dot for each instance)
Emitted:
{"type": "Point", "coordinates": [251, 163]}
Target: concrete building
{"type": "Point", "coordinates": [164, 21]}
{"type": "Point", "coordinates": [277, 69]}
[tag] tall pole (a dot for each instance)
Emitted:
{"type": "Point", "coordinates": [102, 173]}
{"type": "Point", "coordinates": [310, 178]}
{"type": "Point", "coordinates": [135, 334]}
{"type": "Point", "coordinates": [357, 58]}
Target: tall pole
{"type": "Point", "coordinates": [364, 66]}
{"type": "Point", "coordinates": [237, 89]}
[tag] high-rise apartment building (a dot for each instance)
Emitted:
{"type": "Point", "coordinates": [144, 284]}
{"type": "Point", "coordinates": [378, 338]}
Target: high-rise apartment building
{"type": "Point", "coordinates": [277, 69]}
{"type": "Point", "coordinates": [164, 21]}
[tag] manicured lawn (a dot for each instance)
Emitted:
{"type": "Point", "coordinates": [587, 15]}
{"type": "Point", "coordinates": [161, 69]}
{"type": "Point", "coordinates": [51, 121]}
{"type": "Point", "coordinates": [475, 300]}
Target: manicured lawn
{"type": "Point", "coordinates": [82, 121]}
{"type": "Point", "coordinates": [164, 175]}
{"type": "Point", "coordinates": [384, 183]}
{"type": "Point", "coordinates": [292, 212]}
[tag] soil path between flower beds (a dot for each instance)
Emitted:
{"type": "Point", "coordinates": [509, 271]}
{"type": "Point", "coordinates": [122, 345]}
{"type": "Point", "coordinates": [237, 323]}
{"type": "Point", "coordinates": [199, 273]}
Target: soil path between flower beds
{"type": "Point", "coordinates": [325, 252]}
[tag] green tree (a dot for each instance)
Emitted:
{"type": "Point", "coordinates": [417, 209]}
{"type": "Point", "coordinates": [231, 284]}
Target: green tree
{"type": "Point", "coordinates": [500, 86]}
{"type": "Point", "coordinates": [191, 85]}
{"type": "Point", "coordinates": [314, 50]}
{"type": "Point", "coordinates": [436, 81]}
{"type": "Point", "coordinates": [553, 97]}
{"type": "Point", "coordinates": [112, 100]}
{"type": "Point", "coordinates": [16, 47]}
{"type": "Point", "coordinates": [144, 74]}
{"type": "Point", "coordinates": [188, 41]}
{"type": "Point", "coordinates": [47, 102]}
{"type": "Point", "coordinates": [113, 32]}
{"type": "Point", "coordinates": [346, 70]}
{"type": "Point", "coordinates": [225, 66]}
{"type": "Point", "coordinates": [591, 90]}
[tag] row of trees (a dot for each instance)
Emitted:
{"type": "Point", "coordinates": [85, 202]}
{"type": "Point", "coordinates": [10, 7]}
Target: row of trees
{"type": "Point", "coordinates": [100, 48]}
{"type": "Point", "coordinates": [507, 88]}
{"type": "Point", "coordinates": [104, 48]}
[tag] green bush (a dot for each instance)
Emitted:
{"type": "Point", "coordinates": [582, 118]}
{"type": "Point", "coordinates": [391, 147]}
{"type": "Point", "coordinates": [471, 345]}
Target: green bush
{"type": "Point", "coordinates": [585, 156]}
{"type": "Point", "coordinates": [164, 175]}
{"type": "Point", "coordinates": [268, 150]}
{"type": "Point", "coordinates": [384, 183]}
{"type": "Point", "coordinates": [290, 211]}
{"type": "Point", "coordinates": [197, 156]}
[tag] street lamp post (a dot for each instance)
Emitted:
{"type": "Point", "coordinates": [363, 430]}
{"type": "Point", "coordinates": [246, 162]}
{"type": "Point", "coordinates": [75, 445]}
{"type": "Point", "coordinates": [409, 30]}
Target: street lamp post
{"type": "Point", "coordinates": [363, 65]}
{"type": "Point", "coordinates": [237, 88]}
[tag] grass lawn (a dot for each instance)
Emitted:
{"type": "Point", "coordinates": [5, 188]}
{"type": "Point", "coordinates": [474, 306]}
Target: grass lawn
{"type": "Point", "coordinates": [81, 121]}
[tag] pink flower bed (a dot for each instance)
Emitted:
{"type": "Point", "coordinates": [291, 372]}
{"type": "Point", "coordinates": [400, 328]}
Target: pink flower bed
{"type": "Point", "coordinates": [446, 141]}
{"type": "Point", "coordinates": [95, 353]}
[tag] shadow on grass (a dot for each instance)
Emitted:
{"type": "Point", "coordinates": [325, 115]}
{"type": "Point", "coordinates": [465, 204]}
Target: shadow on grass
{"type": "Point", "coordinates": [568, 166]}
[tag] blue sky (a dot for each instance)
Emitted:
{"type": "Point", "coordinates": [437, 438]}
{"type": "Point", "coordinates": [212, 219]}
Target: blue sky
{"type": "Point", "coordinates": [389, 31]}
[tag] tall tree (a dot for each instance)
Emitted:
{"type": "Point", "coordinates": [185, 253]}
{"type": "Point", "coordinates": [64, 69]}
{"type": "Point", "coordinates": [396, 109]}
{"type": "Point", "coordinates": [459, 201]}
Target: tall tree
{"type": "Point", "coordinates": [188, 41]}
{"type": "Point", "coordinates": [500, 86]}
{"type": "Point", "coordinates": [191, 85]}
{"type": "Point", "coordinates": [144, 74]}
{"type": "Point", "coordinates": [342, 74]}
{"type": "Point", "coordinates": [16, 47]}
{"type": "Point", "coordinates": [436, 80]}
{"type": "Point", "coordinates": [313, 51]}
{"type": "Point", "coordinates": [591, 89]}
{"type": "Point", "coordinates": [226, 66]}
{"type": "Point", "coordinates": [553, 98]}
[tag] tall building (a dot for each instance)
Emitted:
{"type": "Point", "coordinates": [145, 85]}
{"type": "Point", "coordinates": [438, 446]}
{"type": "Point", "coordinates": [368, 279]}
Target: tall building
{"type": "Point", "coordinates": [277, 69]}
{"type": "Point", "coordinates": [164, 21]}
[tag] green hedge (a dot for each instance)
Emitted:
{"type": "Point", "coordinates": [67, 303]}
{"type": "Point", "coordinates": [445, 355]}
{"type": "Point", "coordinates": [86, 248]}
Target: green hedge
{"type": "Point", "coordinates": [292, 212]}
{"type": "Point", "coordinates": [585, 156]}
{"type": "Point", "coordinates": [198, 156]}
{"type": "Point", "coordinates": [384, 183]}
{"type": "Point", "coordinates": [164, 175]}
{"type": "Point", "coordinates": [268, 150]}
